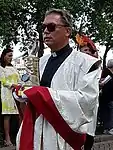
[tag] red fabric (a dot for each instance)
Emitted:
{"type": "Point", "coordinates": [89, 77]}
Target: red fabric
{"type": "Point", "coordinates": [40, 102]}
{"type": "Point", "coordinates": [83, 40]}
{"type": "Point", "coordinates": [89, 41]}
{"type": "Point", "coordinates": [18, 88]}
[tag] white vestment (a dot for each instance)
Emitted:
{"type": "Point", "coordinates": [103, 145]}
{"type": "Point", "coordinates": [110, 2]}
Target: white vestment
{"type": "Point", "coordinates": [74, 90]}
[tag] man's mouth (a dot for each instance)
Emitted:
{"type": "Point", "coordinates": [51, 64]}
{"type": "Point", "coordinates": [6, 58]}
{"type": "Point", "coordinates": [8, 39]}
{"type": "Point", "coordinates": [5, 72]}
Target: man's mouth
{"type": "Point", "coordinates": [47, 38]}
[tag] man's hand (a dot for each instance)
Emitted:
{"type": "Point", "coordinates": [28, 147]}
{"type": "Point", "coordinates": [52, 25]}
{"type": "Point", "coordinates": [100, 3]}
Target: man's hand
{"type": "Point", "coordinates": [18, 93]}
{"type": "Point", "coordinates": [14, 86]}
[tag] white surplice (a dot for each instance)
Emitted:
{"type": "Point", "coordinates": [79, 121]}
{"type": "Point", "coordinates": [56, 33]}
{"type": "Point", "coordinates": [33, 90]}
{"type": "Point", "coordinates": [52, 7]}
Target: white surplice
{"type": "Point", "coordinates": [74, 90]}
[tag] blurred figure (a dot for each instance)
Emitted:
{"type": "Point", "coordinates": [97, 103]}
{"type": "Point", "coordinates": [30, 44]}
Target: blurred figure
{"type": "Point", "coordinates": [87, 46]}
{"type": "Point", "coordinates": [106, 100]}
{"type": "Point", "coordinates": [8, 81]}
{"type": "Point", "coordinates": [1, 118]}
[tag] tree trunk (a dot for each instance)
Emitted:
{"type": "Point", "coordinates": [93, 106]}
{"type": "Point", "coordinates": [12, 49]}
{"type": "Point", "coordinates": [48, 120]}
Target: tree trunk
{"type": "Point", "coordinates": [41, 43]}
{"type": "Point", "coordinates": [105, 55]}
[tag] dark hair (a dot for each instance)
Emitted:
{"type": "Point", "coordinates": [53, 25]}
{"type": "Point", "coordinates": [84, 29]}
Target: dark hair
{"type": "Point", "coordinates": [65, 16]}
{"type": "Point", "coordinates": [4, 52]}
{"type": "Point", "coordinates": [90, 48]}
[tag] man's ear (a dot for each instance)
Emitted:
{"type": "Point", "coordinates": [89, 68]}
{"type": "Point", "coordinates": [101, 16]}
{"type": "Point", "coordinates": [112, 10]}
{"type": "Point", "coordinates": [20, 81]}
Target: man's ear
{"type": "Point", "coordinates": [68, 31]}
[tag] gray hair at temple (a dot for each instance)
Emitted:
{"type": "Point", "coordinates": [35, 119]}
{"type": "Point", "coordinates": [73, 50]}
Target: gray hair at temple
{"type": "Point", "coordinates": [110, 63]}
{"type": "Point", "coordinates": [66, 17]}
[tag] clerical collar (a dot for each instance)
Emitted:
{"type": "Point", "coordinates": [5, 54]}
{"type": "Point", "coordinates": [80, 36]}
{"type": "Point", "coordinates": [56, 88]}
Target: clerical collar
{"type": "Point", "coordinates": [61, 51]}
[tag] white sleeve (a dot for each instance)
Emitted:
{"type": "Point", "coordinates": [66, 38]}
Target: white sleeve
{"type": "Point", "coordinates": [76, 107]}
{"type": "Point", "coordinates": [18, 137]}
{"type": "Point", "coordinates": [22, 99]}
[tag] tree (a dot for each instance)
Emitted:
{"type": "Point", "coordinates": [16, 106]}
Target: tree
{"type": "Point", "coordinates": [100, 24]}
{"type": "Point", "coordinates": [20, 20]}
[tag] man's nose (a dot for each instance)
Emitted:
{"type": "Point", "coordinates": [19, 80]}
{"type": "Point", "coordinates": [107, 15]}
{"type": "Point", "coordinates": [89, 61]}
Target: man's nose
{"type": "Point", "coordinates": [46, 31]}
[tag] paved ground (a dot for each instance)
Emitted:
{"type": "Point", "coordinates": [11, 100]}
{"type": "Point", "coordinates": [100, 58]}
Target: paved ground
{"type": "Point", "coordinates": [102, 142]}
{"type": "Point", "coordinates": [8, 148]}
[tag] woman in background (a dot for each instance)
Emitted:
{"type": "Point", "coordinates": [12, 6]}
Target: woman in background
{"type": "Point", "coordinates": [1, 119]}
{"type": "Point", "coordinates": [8, 81]}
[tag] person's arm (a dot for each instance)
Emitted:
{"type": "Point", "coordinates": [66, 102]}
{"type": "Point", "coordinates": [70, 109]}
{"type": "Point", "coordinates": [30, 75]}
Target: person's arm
{"type": "Point", "coordinates": [75, 107]}
{"type": "Point", "coordinates": [6, 82]}
{"type": "Point", "coordinates": [11, 80]}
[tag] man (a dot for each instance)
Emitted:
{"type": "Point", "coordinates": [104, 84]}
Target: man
{"type": "Point", "coordinates": [58, 112]}
{"type": "Point", "coordinates": [106, 100]}
{"type": "Point", "coordinates": [87, 46]}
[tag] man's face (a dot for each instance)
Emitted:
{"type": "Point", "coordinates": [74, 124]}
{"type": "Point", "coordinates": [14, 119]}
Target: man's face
{"type": "Point", "coordinates": [55, 33]}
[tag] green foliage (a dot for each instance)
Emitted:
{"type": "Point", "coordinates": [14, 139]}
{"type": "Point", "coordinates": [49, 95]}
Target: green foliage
{"type": "Point", "coordinates": [20, 20]}
{"type": "Point", "coordinates": [100, 24]}
{"type": "Point", "coordinates": [100, 21]}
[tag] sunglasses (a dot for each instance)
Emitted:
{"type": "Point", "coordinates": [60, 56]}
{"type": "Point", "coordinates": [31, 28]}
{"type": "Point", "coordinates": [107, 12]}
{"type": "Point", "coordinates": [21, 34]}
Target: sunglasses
{"type": "Point", "coordinates": [51, 26]}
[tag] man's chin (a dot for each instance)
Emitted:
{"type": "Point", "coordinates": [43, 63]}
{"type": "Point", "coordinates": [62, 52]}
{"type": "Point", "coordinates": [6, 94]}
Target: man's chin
{"type": "Point", "coordinates": [49, 44]}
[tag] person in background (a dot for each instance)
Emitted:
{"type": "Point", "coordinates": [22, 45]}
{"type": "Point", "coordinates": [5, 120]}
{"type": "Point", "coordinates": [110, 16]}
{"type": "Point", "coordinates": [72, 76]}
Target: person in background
{"type": "Point", "coordinates": [106, 101]}
{"type": "Point", "coordinates": [87, 46]}
{"type": "Point", "coordinates": [1, 118]}
{"type": "Point", "coordinates": [59, 111]}
{"type": "Point", "coordinates": [8, 81]}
